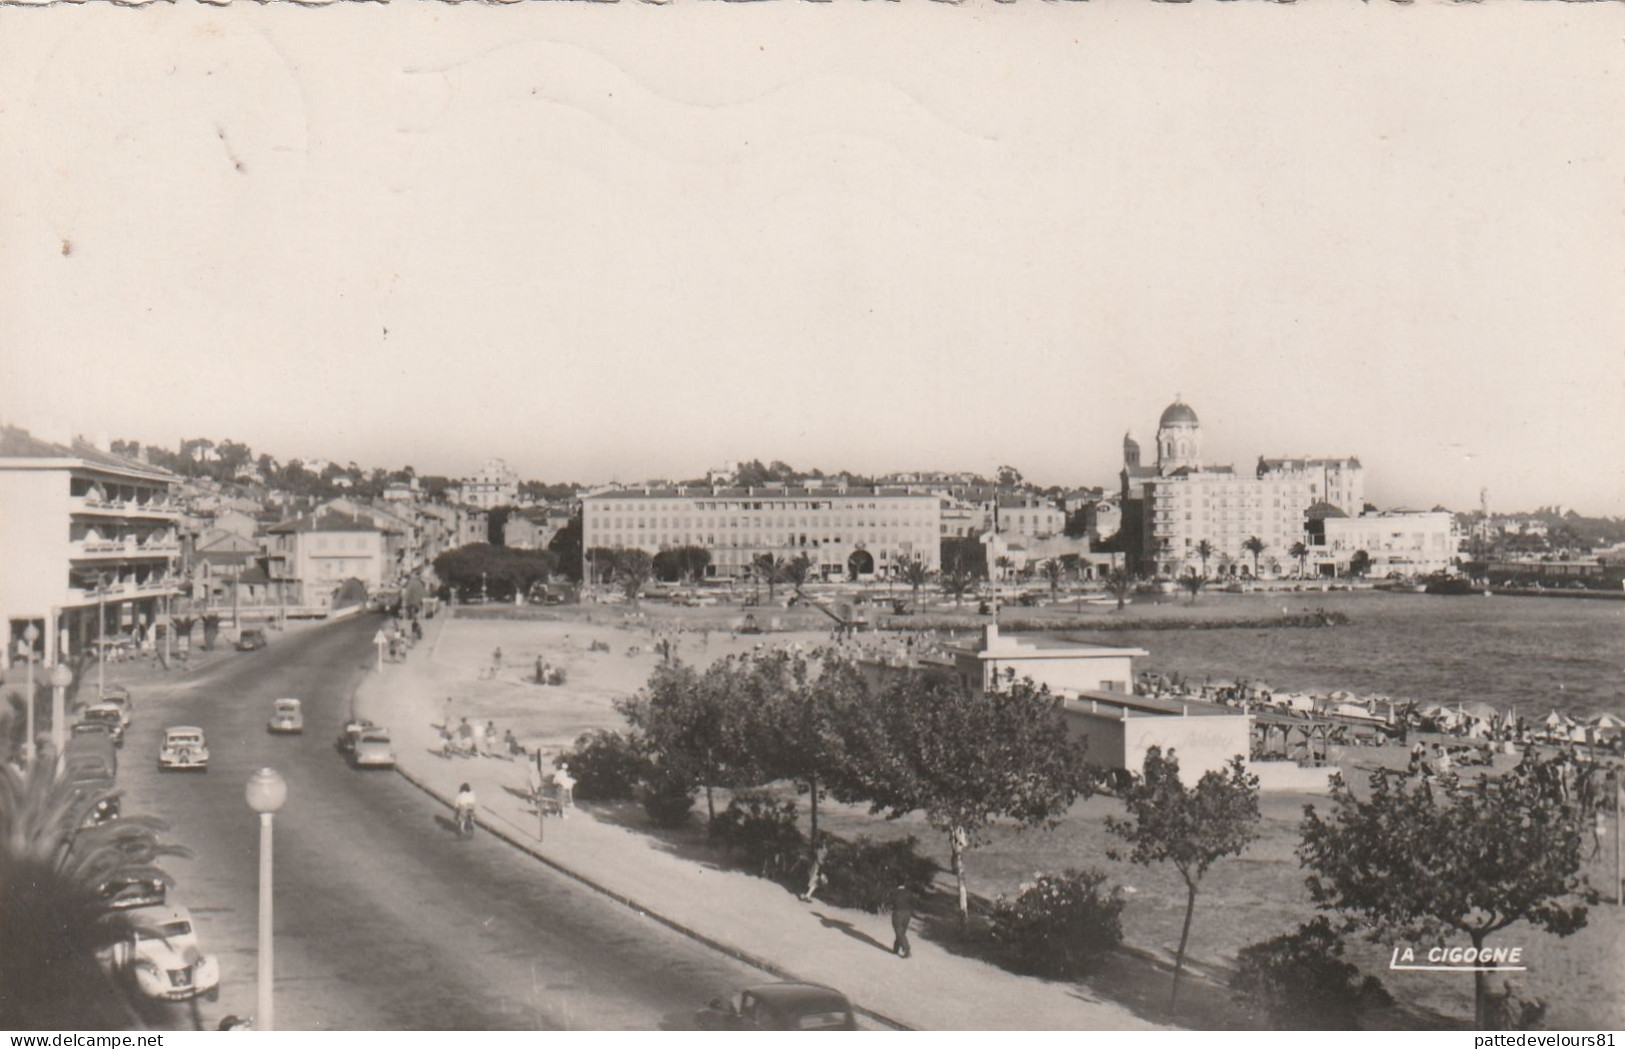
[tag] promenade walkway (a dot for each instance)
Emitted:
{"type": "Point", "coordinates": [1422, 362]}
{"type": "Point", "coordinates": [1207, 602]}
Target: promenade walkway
{"type": "Point", "coordinates": [750, 918]}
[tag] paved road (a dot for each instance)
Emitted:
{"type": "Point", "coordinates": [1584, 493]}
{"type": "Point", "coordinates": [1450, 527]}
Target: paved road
{"type": "Point", "coordinates": [384, 919]}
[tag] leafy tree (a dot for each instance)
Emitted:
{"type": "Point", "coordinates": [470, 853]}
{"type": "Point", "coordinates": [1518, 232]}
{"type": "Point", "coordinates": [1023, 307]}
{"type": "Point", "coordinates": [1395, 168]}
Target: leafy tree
{"type": "Point", "coordinates": [1359, 564]}
{"type": "Point", "coordinates": [211, 630]}
{"type": "Point", "coordinates": [681, 563]}
{"type": "Point", "coordinates": [1120, 585]}
{"type": "Point", "coordinates": [1194, 583]}
{"type": "Point", "coordinates": [1204, 550]}
{"type": "Point", "coordinates": [633, 567]}
{"type": "Point", "coordinates": [769, 569]}
{"type": "Point", "coordinates": [1301, 553]}
{"type": "Point", "coordinates": [1418, 861]}
{"type": "Point", "coordinates": [601, 563]}
{"type": "Point", "coordinates": [801, 718]}
{"type": "Point", "coordinates": [966, 759]}
{"type": "Point", "coordinates": [565, 546]}
{"type": "Point", "coordinates": [54, 916]}
{"type": "Point", "coordinates": [1003, 564]}
{"type": "Point", "coordinates": [1192, 828]}
{"type": "Point", "coordinates": [1008, 477]}
{"type": "Point", "coordinates": [694, 723]}
{"type": "Point", "coordinates": [957, 581]}
{"type": "Point", "coordinates": [1254, 546]}
{"type": "Point", "coordinates": [501, 570]}
{"type": "Point", "coordinates": [797, 569]}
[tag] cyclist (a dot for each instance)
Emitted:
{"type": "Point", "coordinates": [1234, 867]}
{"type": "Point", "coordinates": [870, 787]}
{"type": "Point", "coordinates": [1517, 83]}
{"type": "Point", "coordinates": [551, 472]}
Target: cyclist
{"type": "Point", "coordinates": [464, 808]}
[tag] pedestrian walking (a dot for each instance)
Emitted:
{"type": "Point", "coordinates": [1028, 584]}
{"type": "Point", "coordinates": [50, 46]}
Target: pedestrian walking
{"type": "Point", "coordinates": [902, 912]}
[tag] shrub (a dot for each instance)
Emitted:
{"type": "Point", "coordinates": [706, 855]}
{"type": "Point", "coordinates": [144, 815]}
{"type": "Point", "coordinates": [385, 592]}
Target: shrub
{"type": "Point", "coordinates": [607, 766]}
{"type": "Point", "coordinates": [764, 830]}
{"type": "Point", "coordinates": [668, 797]}
{"type": "Point", "coordinates": [1060, 924]}
{"type": "Point", "coordinates": [1300, 980]}
{"type": "Point", "coordinates": [863, 872]}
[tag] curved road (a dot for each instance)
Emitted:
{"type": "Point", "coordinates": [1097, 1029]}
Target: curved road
{"type": "Point", "coordinates": [384, 919]}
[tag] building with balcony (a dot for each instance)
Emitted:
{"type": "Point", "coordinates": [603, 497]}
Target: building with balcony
{"type": "Point", "coordinates": [1169, 510]}
{"type": "Point", "coordinates": [82, 532]}
{"type": "Point", "coordinates": [1399, 543]}
{"type": "Point", "coordinates": [856, 532]}
{"type": "Point", "coordinates": [1340, 482]}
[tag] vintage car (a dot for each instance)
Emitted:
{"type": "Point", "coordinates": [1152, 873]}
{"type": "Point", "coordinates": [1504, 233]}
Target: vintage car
{"type": "Point", "coordinates": [90, 759]}
{"type": "Point", "coordinates": [162, 957]}
{"type": "Point", "coordinates": [110, 716]}
{"type": "Point", "coordinates": [286, 716]}
{"type": "Point", "coordinates": [105, 810]}
{"type": "Point", "coordinates": [117, 697]}
{"type": "Point", "coordinates": [183, 748]}
{"type": "Point", "coordinates": [250, 639]}
{"type": "Point", "coordinates": [373, 750]}
{"type": "Point", "coordinates": [127, 891]}
{"type": "Point", "coordinates": [350, 733]}
{"type": "Point", "coordinates": [780, 1007]}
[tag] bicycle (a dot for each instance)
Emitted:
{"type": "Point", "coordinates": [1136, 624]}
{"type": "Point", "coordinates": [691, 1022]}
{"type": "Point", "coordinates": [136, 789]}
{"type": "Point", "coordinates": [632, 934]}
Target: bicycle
{"type": "Point", "coordinates": [465, 823]}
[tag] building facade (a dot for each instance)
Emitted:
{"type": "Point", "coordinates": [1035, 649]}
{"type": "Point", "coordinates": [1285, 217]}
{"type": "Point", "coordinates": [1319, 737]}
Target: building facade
{"type": "Point", "coordinates": [1400, 543]}
{"type": "Point", "coordinates": [1181, 502]}
{"type": "Point", "coordinates": [495, 485]}
{"type": "Point", "coordinates": [1340, 482]}
{"type": "Point", "coordinates": [844, 532]}
{"type": "Point", "coordinates": [310, 557]}
{"type": "Point", "coordinates": [91, 544]}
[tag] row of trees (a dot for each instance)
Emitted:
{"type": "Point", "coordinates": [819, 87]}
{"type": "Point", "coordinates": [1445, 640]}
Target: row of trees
{"type": "Point", "coordinates": [918, 743]}
{"type": "Point", "coordinates": [498, 571]}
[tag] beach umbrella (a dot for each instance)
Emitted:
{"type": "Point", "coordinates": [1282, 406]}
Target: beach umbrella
{"type": "Point", "coordinates": [1608, 722]}
{"type": "Point", "coordinates": [1556, 720]}
{"type": "Point", "coordinates": [1480, 710]}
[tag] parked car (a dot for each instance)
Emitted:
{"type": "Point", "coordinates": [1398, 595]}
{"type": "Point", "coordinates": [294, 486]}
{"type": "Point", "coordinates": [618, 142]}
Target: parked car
{"type": "Point", "coordinates": [780, 1007]}
{"type": "Point", "coordinates": [351, 733]}
{"type": "Point", "coordinates": [251, 639]}
{"type": "Point", "coordinates": [117, 697]}
{"type": "Point", "coordinates": [286, 716]}
{"type": "Point", "coordinates": [105, 811]}
{"type": "Point", "coordinates": [162, 957]}
{"type": "Point", "coordinates": [183, 747]}
{"type": "Point", "coordinates": [108, 715]}
{"type": "Point", "coordinates": [373, 750]}
{"type": "Point", "coordinates": [91, 758]}
{"type": "Point", "coordinates": [128, 891]}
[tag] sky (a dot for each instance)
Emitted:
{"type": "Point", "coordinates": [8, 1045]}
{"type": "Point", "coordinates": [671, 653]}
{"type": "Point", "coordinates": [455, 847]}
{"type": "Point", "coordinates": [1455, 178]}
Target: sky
{"type": "Point", "coordinates": [627, 241]}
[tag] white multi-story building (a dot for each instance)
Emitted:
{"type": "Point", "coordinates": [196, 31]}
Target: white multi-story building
{"type": "Point", "coordinates": [1399, 543]}
{"type": "Point", "coordinates": [1171, 509]}
{"type": "Point", "coordinates": [1340, 482]}
{"type": "Point", "coordinates": [81, 528]}
{"type": "Point", "coordinates": [858, 532]}
{"type": "Point", "coordinates": [495, 485]}
{"type": "Point", "coordinates": [311, 557]}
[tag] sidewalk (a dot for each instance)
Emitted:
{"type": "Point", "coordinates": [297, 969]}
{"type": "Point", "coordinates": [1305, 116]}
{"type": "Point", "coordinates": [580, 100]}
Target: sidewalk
{"type": "Point", "coordinates": [750, 918]}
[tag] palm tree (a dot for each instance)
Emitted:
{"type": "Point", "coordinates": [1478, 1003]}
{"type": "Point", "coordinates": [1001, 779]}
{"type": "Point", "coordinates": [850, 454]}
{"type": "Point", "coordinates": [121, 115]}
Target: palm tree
{"type": "Point", "coordinates": [1119, 584]}
{"type": "Point", "coordinates": [1254, 546]}
{"type": "Point", "coordinates": [957, 580]}
{"type": "Point", "coordinates": [1204, 550]}
{"type": "Point", "coordinates": [1193, 583]}
{"type": "Point", "coordinates": [1003, 564]}
{"type": "Point", "coordinates": [1052, 570]}
{"type": "Point", "coordinates": [52, 870]}
{"type": "Point", "coordinates": [1301, 552]}
{"type": "Point", "coordinates": [770, 569]}
{"type": "Point", "coordinates": [797, 569]}
{"type": "Point", "coordinates": [914, 572]}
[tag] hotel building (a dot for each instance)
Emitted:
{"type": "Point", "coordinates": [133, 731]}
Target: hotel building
{"type": "Point", "coordinates": [82, 529]}
{"type": "Point", "coordinates": [844, 531]}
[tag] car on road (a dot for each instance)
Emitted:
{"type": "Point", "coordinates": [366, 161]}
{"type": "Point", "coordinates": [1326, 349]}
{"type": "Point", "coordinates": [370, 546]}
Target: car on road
{"type": "Point", "coordinates": [162, 958]}
{"type": "Point", "coordinates": [117, 697]}
{"type": "Point", "coordinates": [251, 639]}
{"type": "Point", "coordinates": [373, 750]}
{"type": "Point", "coordinates": [351, 733]}
{"type": "Point", "coordinates": [183, 747]}
{"type": "Point", "coordinates": [780, 1007]}
{"type": "Point", "coordinates": [107, 715]}
{"type": "Point", "coordinates": [286, 716]}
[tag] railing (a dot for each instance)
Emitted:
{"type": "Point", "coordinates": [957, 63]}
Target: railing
{"type": "Point", "coordinates": [128, 507]}
{"type": "Point", "coordinates": [127, 547]}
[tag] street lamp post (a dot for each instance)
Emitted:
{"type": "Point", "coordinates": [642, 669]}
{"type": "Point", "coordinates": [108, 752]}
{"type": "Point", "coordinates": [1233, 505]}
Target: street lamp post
{"type": "Point", "coordinates": [59, 678]}
{"type": "Point", "coordinates": [26, 650]}
{"type": "Point", "coordinates": [266, 792]}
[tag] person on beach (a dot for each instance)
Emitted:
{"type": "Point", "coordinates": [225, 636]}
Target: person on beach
{"type": "Point", "coordinates": [902, 912]}
{"type": "Point", "coordinates": [567, 787]}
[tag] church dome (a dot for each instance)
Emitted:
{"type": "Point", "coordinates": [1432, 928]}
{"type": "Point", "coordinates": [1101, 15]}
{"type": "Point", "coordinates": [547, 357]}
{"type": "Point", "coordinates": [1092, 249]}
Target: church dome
{"type": "Point", "coordinates": [1178, 412]}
